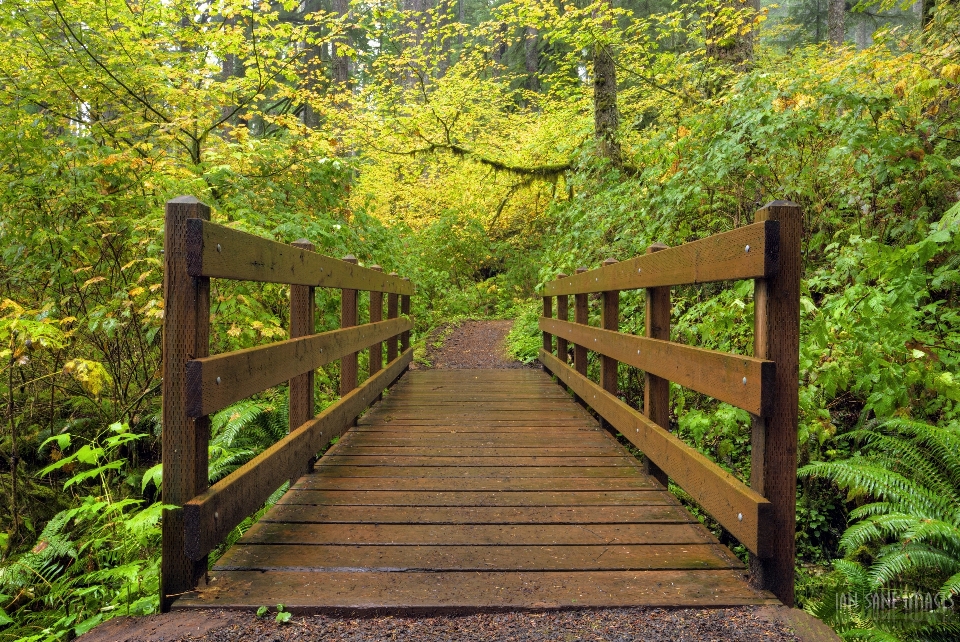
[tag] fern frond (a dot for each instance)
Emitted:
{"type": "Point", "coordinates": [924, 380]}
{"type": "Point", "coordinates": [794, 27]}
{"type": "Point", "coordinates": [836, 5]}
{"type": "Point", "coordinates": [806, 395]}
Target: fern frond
{"type": "Point", "coordinates": [897, 559]}
{"type": "Point", "coordinates": [951, 587]}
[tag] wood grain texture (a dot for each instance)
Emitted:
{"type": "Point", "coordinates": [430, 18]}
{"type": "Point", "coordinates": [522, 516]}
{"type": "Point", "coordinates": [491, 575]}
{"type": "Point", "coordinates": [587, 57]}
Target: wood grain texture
{"type": "Point", "coordinates": [405, 311]}
{"type": "Point", "coordinates": [728, 500]}
{"type": "Point", "coordinates": [563, 314]}
{"type": "Point", "coordinates": [376, 315]}
{"type": "Point", "coordinates": [465, 592]}
{"type": "Point", "coordinates": [348, 318]}
{"type": "Point", "coordinates": [393, 309]}
{"type": "Point", "coordinates": [656, 389]}
{"type": "Point", "coordinates": [210, 516]}
{"type": "Point", "coordinates": [722, 257]}
{"type": "Point", "coordinates": [246, 257]}
{"type": "Point", "coordinates": [246, 372]}
{"type": "Point", "coordinates": [609, 320]}
{"type": "Point", "coordinates": [774, 439]}
{"type": "Point", "coordinates": [302, 323]}
{"type": "Point", "coordinates": [717, 374]}
{"type": "Point", "coordinates": [186, 331]}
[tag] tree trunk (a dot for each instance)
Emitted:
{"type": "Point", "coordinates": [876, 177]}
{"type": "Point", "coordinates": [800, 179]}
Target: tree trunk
{"type": "Point", "coordinates": [737, 50]}
{"type": "Point", "coordinates": [606, 116]}
{"type": "Point", "coordinates": [340, 62]}
{"type": "Point", "coordinates": [531, 58]}
{"type": "Point", "coordinates": [312, 67]}
{"type": "Point", "coordinates": [836, 25]}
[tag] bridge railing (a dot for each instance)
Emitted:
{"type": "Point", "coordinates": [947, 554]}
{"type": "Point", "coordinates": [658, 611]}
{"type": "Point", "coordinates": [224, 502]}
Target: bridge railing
{"type": "Point", "coordinates": [762, 516]}
{"type": "Point", "coordinates": [196, 384]}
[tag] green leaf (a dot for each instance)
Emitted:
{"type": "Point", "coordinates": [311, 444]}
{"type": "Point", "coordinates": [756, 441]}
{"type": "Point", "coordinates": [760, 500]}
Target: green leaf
{"type": "Point", "coordinates": [4, 618]}
{"type": "Point", "coordinates": [262, 611]}
{"type": "Point", "coordinates": [283, 617]}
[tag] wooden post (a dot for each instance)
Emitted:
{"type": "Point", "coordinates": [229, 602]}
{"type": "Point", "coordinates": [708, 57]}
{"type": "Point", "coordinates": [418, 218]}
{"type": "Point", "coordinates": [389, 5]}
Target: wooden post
{"type": "Point", "coordinates": [405, 311]}
{"type": "Point", "coordinates": [302, 323]}
{"type": "Point", "coordinates": [376, 314]}
{"type": "Point", "coordinates": [563, 313]}
{"type": "Point", "coordinates": [186, 336]}
{"type": "Point", "coordinates": [609, 320]}
{"type": "Point", "coordinates": [656, 391]}
{"type": "Point", "coordinates": [581, 314]}
{"type": "Point", "coordinates": [547, 337]}
{"type": "Point", "coordinates": [392, 310]}
{"type": "Point", "coordinates": [774, 439]}
{"type": "Point", "coordinates": [348, 318]}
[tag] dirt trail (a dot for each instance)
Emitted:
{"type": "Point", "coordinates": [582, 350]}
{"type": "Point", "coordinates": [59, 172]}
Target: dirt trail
{"type": "Point", "coordinates": [472, 344]}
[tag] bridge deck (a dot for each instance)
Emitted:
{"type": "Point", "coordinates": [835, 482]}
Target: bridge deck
{"type": "Point", "coordinates": [476, 490]}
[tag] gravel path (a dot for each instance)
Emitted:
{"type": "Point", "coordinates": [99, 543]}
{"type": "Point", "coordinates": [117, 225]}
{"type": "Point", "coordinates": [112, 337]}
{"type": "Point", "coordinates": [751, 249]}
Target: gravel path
{"type": "Point", "coordinates": [472, 344]}
{"type": "Point", "coordinates": [746, 624]}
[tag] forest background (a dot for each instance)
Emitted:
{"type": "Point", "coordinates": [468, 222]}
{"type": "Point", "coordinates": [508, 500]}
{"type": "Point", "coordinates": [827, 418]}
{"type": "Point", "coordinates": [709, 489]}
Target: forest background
{"type": "Point", "coordinates": [479, 148]}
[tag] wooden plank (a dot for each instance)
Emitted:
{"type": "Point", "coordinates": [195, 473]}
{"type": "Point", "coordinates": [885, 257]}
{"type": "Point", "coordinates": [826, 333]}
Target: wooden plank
{"type": "Point", "coordinates": [728, 500]}
{"type": "Point", "coordinates": [475, 534]}
{"type": "Point", "coordinates": [472, 450]}
{"type": "Point", "coordinates": [459, 592]}
{"type": "Point", "coordinates": [463, 472]}
{"type": "Point", "coordinates": [717, 374]}
{"type": "Point", "coordinates": [722, 257]}
{"type": "Point", "coordinates": [559, 462]}
{"type": "Point", "coordinates": [610, 320]}
{"type": "Point", "coordinates": [547, 312]}
{"type": "Point", "coordinates": [222, 252]}
{"type": "Point", "coordinates": [303, 323]}
{"type": "Point", "coordinates": [449, 425]}
{"type": "Point", "coordinates": [506, 484]}
{"type": "Point", "coordinates": [656, 390]}
{"type": "Point", "coordinates": [210, 516]}
{"type": "Point", "coordinates": [186, 331]}
{"type": "Point", "coordinates": [392, 313]}
{"type": "Point", "coordinates": [405, 311]}
{"type": "Point", "coordinates": [653, 497]}
{"type": "Point", "coordinates": [563, 313]}
{"type": "Point", "coordinates": [581, 316]}
{"type": "Point", "coordinates": [405, 559]}
{"type": "Point", "coordinates": [593, 439]}
{"type": "Point", "coordinates": [348, 319]}
{"type": "Point", "coordinates": [477, 514]}
{"type": "Point", "coordinates": [774, 439]}
{"type": "Point", "coordinates": [376, 314]}
{"type": "Point", "coordinates": [246, 372]}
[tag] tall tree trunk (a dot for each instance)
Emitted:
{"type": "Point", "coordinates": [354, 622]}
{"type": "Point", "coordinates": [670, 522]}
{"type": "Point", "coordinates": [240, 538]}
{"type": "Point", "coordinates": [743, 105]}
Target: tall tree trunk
{"type": "Point", "coordinates": [606, 116]}
{"type": "Point", "coordinates": [340, 62]}
{"type": "Point", "coordinates": [313, 67]}
{"type": "Point", "coordinates": [735, 50]}
{"type": "Point", "coordinates": [836, 21]}
{"type": "Point", "coordinates": [531, 58]}
{"type": "Point", "coordinates": [863, 34]}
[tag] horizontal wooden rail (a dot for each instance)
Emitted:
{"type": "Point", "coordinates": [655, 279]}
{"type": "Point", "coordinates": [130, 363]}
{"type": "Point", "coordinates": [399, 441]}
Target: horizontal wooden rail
{"type": "Point", "coordinates": [218, 381]}
{"type": "Point", "coordinates": [222, 252]}
{"type": "Point", "coordinates": [209, 517]}
{"type": "Point", "coordinates": [747, 252]}
{"type": "Point", "coordinates": [740, 510]}
{"type": "Point", "coordinates": [745, 382]}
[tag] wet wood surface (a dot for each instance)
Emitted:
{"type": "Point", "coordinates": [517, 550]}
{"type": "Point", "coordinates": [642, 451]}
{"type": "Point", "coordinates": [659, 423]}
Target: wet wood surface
{"type": "Point", "coordinates": [515, 498]}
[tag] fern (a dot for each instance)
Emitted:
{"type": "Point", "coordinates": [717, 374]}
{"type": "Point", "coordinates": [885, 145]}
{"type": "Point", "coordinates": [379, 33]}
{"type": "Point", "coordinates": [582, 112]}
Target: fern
{"type": "Point", "coordinates": [908, 472]}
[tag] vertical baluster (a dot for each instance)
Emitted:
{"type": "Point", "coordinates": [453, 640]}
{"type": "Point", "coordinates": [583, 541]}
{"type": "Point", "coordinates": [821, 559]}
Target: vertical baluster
{"type": "Point", "coordinates": [547, 337]}
{"type": "Point", "coordinates": [392, 311]}
{"type": "Point", "coordinates": [376, 315]}
{"type": "Point", "coordinates": [186, 335]}
{"type": "Point", "coordinates": [609, 320]}
{"type": "Point", "coordinates": [563, 313]}
{"type": "Point", "coordinates": [348, 318]}
{"type": "Point", "coordinates": [581, 314]}
{"type": "Point", "coordinates": [405, 311]}
{"type": "Point", "coordinates": [774, 440]}
{"type": "Point", "coordinates": [656, 391]}
{"type": "Point", "coordinates": [302, 323]}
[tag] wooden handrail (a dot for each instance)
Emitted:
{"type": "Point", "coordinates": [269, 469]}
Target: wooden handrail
{"type": "Point", "coordinates": [196, 385]}
{"type": "Point", "coordinates": [763, 516]}
{"type": "Point", "coordinates": [749, 252]}
{"type": "Point", "coordinates": [222, 252]}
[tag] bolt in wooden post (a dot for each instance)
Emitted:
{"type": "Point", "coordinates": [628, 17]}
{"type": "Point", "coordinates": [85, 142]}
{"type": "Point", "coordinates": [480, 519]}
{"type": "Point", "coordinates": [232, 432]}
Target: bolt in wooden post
{"type": "Point", "coordinates": [392, 311]}
{"type": "Point", "coordinates": [656, 391]}
{"type": "Point", "coordinates": [547, 337]}
{"type": "Point", "coordinates": [563, 313]}
{"type": "Point", "coordinates": [348, 318]}
{"type": "Point", "coordinates": [774, 439]}
{"type": "Point", "coordinates": [609, 320]}
{"type": "Point", "coordinates": [186, 336]}
{"type": "Point", "coordinates": [405, 311]}
{"type": "Point", "coordinates": [376, 315]}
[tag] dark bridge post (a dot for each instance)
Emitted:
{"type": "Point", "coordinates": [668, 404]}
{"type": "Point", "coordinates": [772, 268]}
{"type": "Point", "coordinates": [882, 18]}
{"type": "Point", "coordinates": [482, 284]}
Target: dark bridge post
{"type": "Point", "coordinates": [609, 320]}
{"type": "Point", "coordinates": [186, 335]}
{"type": "Point", "coordinates": [774, 439]}
{"type": "Point", "coordinates": [547, 337]}
{"type": "Point", "coordinates": [656, 390]}
{"type": "Point", "coordinates": [348, 318]}
{"type": "Point", "coordinates": [302, 323]}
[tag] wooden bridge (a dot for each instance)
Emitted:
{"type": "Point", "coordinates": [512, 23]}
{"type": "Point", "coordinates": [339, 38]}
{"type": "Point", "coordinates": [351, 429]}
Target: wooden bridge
{"type": "Point", "coordinates": [478, 489]}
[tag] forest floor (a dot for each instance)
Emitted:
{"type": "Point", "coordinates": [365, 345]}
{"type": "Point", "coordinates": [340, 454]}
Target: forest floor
{"type": "Point", "coordinates": [478, 344]}
{"type": "Point", "coordinates": [743, 624]}
{"type": "Point", "coordinates": [469, 344]}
